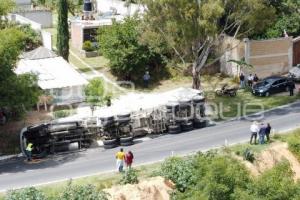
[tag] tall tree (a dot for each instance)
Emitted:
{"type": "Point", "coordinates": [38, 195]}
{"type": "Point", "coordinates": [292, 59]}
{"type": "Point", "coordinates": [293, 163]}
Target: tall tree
{"type": "Point", "coordinates": [192, 28]}
{"type": "Point", "coordinates": [17, 92]}
{"type": "Point", "coordinates": [63, 29]}
{"type": "Point", "coordinates": [128, 58]}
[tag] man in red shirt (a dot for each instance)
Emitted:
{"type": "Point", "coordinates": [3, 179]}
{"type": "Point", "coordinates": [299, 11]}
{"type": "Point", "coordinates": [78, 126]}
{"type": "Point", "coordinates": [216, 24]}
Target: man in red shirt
{"type": "Point", "coordinates": [129, 159]}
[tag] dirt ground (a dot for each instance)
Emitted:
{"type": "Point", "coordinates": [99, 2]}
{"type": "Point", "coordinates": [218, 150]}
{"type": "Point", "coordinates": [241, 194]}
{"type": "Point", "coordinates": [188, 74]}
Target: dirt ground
{"type": "Point", "coordinates": [156, 188]}
{"type": "Point", "coordinates": [269, 157]}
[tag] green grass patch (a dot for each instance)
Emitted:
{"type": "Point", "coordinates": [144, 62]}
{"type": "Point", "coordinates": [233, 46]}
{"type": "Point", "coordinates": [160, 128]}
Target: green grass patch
{"type": "Point", "coordinates": [244, 104]}
{"type": "Point", "coordinates": [239, 149]}
{"type": "Point", "coordinates": [293, 140]}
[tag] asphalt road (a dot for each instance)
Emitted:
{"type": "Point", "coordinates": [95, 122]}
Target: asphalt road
{"type": "Point", "coordinates": [17, 173]}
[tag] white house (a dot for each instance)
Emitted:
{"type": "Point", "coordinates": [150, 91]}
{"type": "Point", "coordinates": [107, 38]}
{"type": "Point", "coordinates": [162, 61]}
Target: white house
{"type": "Point", "coordinates": [56, 77]}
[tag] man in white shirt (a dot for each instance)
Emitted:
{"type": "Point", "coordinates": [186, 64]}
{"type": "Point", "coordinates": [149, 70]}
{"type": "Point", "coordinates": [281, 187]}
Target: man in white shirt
{"type": "Point", "coordinates": [250, 80]}
{"type": "Point", "coordinates": [254, 128]}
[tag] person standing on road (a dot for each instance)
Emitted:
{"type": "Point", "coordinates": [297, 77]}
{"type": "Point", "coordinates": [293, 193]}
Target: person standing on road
{"type": "Point", "coordinates": [268, 131]}
{"type": "Point", "coordinates": [129, 159]}
{"type": "Point", "coordinates": [254, 130]}
{"type": "Point", "coordinates": [29, 151]}
{"type": "Point", "coordinates": [120, 156]}
{"type": "Point", "coordinates": [262, 133]}
{"type": "Point", "coordinates": [242, 80]}
{"type": "Point", "coordinates": [291, 88]}
{"type": "Point", "coordinates": [255, 79]}
{"type": "Point", "coordinates": [146, 79]}
{"type": "Point", "coordinates": [250, 80]}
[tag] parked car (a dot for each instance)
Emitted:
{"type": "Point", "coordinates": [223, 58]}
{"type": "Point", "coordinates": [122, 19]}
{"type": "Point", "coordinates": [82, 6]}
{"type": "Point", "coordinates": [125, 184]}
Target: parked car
{"type": "Point", "coordinates": [271, 85]}
{"type": "Point", "coordinates": [295, 73]}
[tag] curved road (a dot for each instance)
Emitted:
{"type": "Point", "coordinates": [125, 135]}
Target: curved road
{"type": "Point", "coordinates": [17, 173]}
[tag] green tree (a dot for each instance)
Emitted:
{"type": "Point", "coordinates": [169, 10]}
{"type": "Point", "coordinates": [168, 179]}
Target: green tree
{"type": "Point", "coordinates": [128, 58]}
{"type": "Point", "coordinates": [95, 92]}
{"type": "Point", "coordinates": [193, 28]}
{"type": "Point", "coordinates": [18, 93]}
{"type": "Point", "coordinates": [63, 29]}
{"type": "Point", "coordinates": [33, 38]}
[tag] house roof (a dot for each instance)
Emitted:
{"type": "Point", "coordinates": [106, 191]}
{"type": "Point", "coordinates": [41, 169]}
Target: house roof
{"type": "Point", "coordinates": [53, 72]}
{"type": "Point", "coordinates": [39, 53]}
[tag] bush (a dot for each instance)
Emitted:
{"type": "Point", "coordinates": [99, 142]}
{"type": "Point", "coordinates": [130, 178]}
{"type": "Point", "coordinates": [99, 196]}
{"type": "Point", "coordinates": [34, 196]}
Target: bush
{"type": "Point", "coordinates": [129, 59]}
{"type": "Point", "coordinates": [86, 192]}
{"type": "Point", "coordinates": [249, 156]}
{"type": "Point", "coordinates": [276, 184]}
{"type": "Point", "coordinates": [179, 171]}
{"type": "Point", "coordinates": [62, 113]}
{"type": "Point", "coordinates": [26, 194]}
{"type": "Point", "coordinates": [88, 46]}
{"type": "Point", "coordinates": [129, 177]}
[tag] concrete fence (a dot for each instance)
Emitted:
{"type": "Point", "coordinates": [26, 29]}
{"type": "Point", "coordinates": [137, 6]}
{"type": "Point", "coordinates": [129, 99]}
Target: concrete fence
{"type": "Point", "coordinates": [268, 57]}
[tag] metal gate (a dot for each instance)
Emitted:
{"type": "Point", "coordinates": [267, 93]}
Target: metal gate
{"type": "Point", "coordinates": [296, 53]}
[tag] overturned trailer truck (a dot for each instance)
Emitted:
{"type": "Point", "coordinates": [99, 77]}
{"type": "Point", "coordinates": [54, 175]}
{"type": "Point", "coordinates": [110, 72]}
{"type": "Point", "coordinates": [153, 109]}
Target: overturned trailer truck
{"type": "Point", "coordinates": [171, 115]}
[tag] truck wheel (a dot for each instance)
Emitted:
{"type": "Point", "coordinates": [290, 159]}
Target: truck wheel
{"type": "Point", "coordinates": [110, 146]}
{"type": "Point", "coordinates": [126, 139]}
{"type": "Point", "coordinates": [110, 142]}
{"type": "Point", "coordinates": [174, 129]}
{"type": "Point", "coordinates": [126, 143]}
{"type": "Point", "coordinates": [198, 99]}
{"type": "Point", "coordinates": [199, 123]}
{"type": "Point", "coordinates": [187, 126]}
{"type": "Point", "coordinates": [124, 120]}
{"type": "Point", "coordinates": [123, 116]}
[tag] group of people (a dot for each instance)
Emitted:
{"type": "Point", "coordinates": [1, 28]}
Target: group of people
{"type": "Point", "coordinates": [261, 130]}
{"type": "Point", "coordinates": [122, 157]}
{"type": "Point", "coordinates": [251, 80]}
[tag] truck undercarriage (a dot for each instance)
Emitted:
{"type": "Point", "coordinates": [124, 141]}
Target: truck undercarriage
{"type": "Point", "coordinates": [121, 129]}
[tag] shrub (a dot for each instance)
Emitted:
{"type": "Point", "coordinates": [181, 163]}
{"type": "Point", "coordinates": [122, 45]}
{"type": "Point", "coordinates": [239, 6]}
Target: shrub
{"type": "Point", "coordinates": [276, 183]}
{"type": "Point", "coordinates": [248, 155]}
{"type": "Point", "coordinates": [179, 171]}
{"type": "Point", "coordinates": [129, 177]}
{"type": "Point", "coordinates": [86, 192]}
{"type": "Point", "coordinates": [62, 113]}
{"type": "Point", "coordinates": [25, 194]}
{"type": "Point", "coordinates": [88, 46]}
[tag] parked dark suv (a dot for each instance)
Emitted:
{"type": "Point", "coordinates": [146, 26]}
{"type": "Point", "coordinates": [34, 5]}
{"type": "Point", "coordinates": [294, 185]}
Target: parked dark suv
{"type": "Point", "coordinates": [271, 85]}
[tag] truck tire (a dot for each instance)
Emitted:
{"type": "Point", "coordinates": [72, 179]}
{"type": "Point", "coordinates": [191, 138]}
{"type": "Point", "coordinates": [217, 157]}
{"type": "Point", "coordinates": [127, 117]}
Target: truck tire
{"type": "Point", "coordinates": [111, 118]}
{"type": "Point", "coordinates": [110, 142]}
{"type": "Point", "coordinates": [187, 126]}
{"type": "Point", "coordinates": [126, 143]}
{"type": "Point", "coordinates": [107, 123]}
{"type": "Point", "coordinates": [198, 99]}
{"type": "Point", "coordinates": [174, 129]}
{"type": "Point", "coordinates": [124, 120]}
{"type": "Point", "coordinates": [123, 116]}
{"type": "Point", "coordinates": [110, 146]}
{"type": "Point", "coordinates": [126, 139]}
{"type": "Point", "coordinates": [198, 123]}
